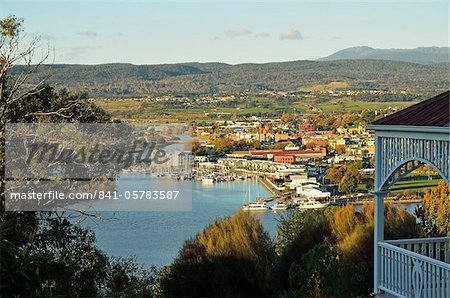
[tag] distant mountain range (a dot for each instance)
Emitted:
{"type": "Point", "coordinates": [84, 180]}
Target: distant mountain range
{"type": "Point", "coordinates": [422, 55]}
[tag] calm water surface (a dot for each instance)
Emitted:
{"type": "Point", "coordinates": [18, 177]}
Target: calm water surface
{"type": "Point", "coordinates": [155, 238]}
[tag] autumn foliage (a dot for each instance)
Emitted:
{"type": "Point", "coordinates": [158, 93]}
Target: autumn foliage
{"type": "Point", "coordinates": [330, 252]}
{"type": "Point", "coordinates": [434, 213]}
{"type": "Point", "coordinates": [231, 257]}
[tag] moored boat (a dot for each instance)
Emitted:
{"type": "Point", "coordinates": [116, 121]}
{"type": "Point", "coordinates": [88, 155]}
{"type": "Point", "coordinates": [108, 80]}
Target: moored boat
{"type": "Point", "coordinates": [256, 206]}
{"type": "Point", "coordinates": [311, 204]}
{"type": "Point", "coordinates": [279, 207]}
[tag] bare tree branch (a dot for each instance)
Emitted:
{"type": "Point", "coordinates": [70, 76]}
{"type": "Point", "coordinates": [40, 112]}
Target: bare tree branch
{"type": "Point", "coordinates": [12, 54]}
{"type": "Point", "coordinates": [58, 112]}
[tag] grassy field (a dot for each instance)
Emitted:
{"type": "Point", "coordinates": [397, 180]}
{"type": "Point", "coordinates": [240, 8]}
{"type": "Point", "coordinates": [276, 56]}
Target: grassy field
{"type": "Point", "coordinates": [326, 87]}
{"type": "Point", "coordinates": [414, 185]}
{"type": "Point", "coordinates": [349, 105]}
{"type": "Point", "coordinates": [114, 106]}
{"type": "Point", "coordinates": [138, 111]}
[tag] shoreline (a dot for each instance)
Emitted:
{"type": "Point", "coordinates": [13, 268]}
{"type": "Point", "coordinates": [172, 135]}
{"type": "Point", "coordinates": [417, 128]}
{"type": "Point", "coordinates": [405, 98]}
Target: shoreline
{"type": "Point", "coordinates": [273, 191]}
{"type": "Point", "coordinates": [395, 202]}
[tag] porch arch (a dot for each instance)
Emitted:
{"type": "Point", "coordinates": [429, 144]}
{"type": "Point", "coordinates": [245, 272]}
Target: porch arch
{"type": "Point", "coordinates": [396, 148]}
{"type": "Point", "coordinates": [405, 167]}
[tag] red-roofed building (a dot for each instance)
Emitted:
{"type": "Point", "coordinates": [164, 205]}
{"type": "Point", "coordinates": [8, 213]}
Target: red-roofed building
{"type": "Point", "coordinates": [288, 156]}
{"type": "Point", "coordinates": [263, 152]}
{"type": "Point", "coordinates": [284, 158]}
{"type": "Point", "coordinates": [307, 126]}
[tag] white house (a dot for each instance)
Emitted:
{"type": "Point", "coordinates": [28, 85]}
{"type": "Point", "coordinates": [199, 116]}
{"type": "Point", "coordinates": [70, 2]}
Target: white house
{"type": "Point", "coordinates": [312, 191]}
{"type": "Point", "coordinates": [300, 179]}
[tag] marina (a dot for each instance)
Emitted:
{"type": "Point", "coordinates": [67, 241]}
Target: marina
{"type": "Point", "coordinates": [282, 200]}
{"type": "Point", "coordinates": [124, 234]}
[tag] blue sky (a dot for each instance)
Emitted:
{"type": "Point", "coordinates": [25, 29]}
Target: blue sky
{"type": "Point", "coordinates": [153, 32]}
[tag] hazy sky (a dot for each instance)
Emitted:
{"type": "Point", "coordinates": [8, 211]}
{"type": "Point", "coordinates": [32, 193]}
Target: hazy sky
{"type": "Point", "coordinates": [151, 32]}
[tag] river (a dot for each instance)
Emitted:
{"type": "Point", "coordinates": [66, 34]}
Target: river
{"type": "Point", "coordinates": [155, 237]}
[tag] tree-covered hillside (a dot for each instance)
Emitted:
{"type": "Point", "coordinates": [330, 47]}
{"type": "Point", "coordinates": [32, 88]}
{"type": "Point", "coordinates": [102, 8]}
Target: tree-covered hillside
{"type": "Point", "coordinates": [219, 78]}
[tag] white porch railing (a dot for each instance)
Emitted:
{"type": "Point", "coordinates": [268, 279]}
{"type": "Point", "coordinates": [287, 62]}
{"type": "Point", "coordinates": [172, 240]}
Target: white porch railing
{"type": "Point", "coordinates": [436, 248]}
{"type": "Point", "coordinates": [416, 267]}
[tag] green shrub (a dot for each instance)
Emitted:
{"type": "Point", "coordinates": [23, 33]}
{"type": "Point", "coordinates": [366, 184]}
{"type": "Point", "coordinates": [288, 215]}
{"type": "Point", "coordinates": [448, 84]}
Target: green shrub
{"type": "Point", "coordinates": [231, 257]}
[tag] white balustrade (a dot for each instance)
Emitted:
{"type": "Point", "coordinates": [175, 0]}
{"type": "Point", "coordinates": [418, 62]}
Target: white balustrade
{"type": "Point", "coordinates": [415, 267]}
{"type": "Point", "coordinates": [436, 248]}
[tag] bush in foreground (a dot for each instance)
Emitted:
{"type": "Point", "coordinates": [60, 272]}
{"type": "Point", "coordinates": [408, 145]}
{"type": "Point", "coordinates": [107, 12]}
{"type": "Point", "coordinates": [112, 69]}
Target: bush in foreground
{"type": "Point", "coordinates": [231, 257]}
{"type": "Point", "coordinates": [330, 252]}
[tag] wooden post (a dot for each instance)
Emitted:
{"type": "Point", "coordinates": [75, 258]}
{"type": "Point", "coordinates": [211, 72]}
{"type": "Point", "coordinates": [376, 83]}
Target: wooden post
{"type": "Point", "coordinates": [378, 237]}
{"type": "Point", "coordinates": [378, 233]}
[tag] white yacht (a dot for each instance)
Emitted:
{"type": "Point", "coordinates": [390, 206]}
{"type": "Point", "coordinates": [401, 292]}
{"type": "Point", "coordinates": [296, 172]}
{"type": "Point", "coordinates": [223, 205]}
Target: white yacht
{"type": "Point", "coordinates": [311, 204]}
{"type": "Point", "coordinates": [279, 207]}
{"type": "Point", "coordinates": [256, 206]}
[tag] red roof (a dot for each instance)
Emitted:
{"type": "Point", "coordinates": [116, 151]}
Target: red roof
{"type": "Point", "coordinates": [431, 112]}
{"type": "Point", "coordinates": [297, 152]}
{"type": "Point", "coordinates": [278, 152]}
{"type": "Point", "coordinates": [264, 152]}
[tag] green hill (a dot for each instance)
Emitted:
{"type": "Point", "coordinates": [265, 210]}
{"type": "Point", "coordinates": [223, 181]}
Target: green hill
{"type": "Point", "coordinates": [108, 80]}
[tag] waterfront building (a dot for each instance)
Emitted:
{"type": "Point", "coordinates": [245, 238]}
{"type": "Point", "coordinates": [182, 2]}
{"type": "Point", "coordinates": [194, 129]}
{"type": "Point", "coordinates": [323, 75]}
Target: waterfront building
{"type": "Point", "coordinates": [311, 191]}
{"type": "Point", "coordinates": [288, 156]}
{"type": "Point", "coordinates": [300, 179]}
